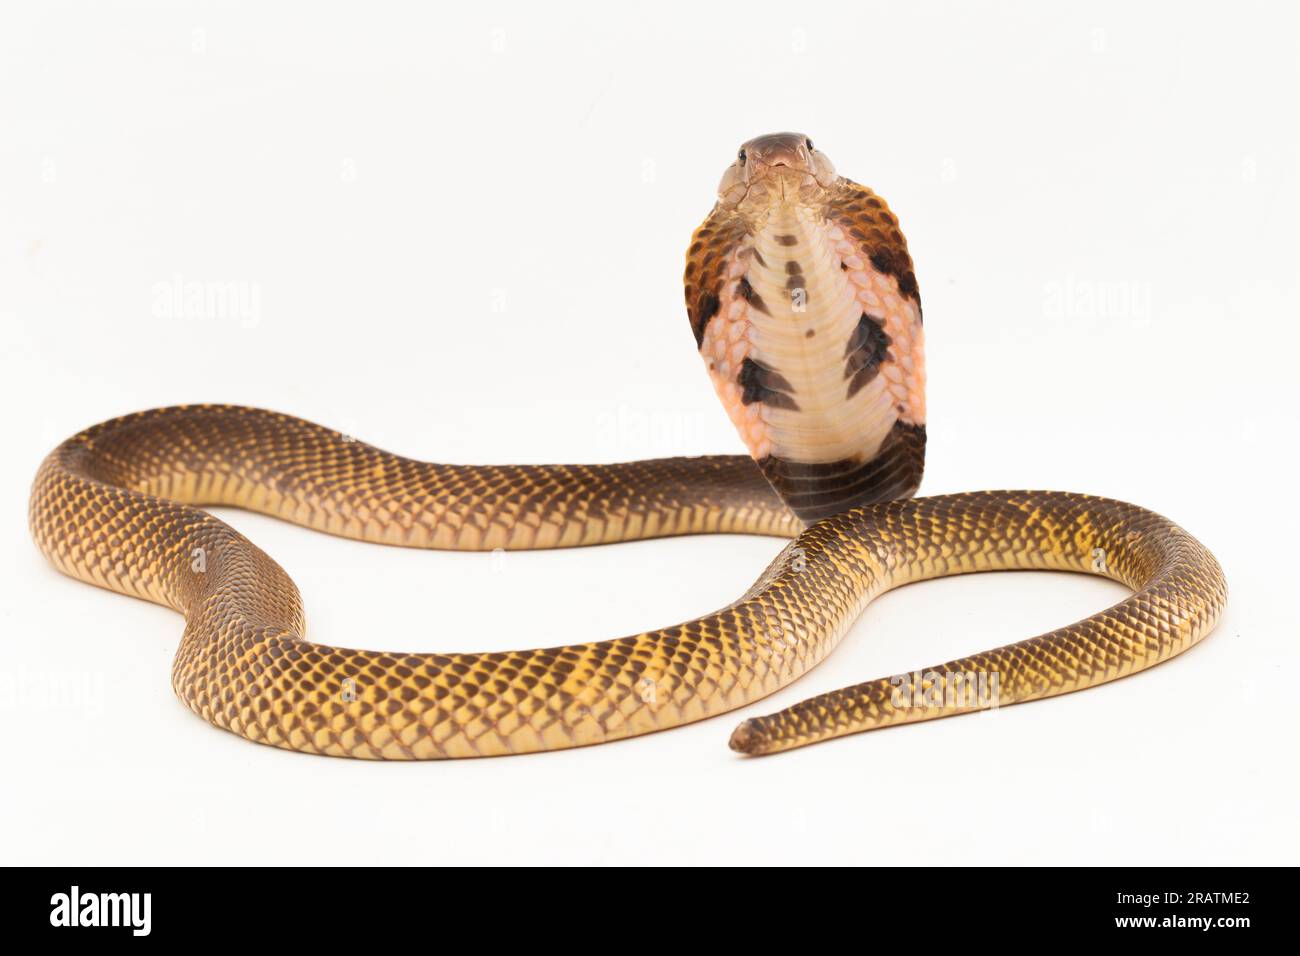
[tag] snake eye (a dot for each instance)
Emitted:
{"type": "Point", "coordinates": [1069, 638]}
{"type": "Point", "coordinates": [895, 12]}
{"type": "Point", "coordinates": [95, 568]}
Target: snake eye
{"type": "Point", "coordinates": [741, 156]}
{"type": "Point", "coordinates": [808, 143]}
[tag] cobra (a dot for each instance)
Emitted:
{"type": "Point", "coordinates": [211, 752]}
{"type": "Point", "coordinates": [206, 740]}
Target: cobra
{"type": "Point", "coordinates": [805, 307]}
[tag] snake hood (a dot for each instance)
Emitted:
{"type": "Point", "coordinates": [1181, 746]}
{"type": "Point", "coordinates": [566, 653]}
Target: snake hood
{"type": "Point", "coordinates": [806, 311]}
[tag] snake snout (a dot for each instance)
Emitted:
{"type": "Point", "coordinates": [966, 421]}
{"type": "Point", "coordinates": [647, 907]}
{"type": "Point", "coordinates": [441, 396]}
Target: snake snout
{"type": "Point", "coordinates": [788, 152]}
{"type": "Point", "coordinates": [776, 166]}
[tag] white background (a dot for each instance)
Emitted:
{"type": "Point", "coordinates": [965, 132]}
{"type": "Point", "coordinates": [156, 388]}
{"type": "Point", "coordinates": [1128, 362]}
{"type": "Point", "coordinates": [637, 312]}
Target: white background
{"type": "Point", "coordinates": [464, 227]}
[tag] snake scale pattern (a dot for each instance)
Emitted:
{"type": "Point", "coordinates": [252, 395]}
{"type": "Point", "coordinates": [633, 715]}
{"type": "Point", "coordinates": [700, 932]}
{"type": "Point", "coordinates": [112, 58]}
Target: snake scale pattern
{"type": "Point", "coordinates": [805, 308]}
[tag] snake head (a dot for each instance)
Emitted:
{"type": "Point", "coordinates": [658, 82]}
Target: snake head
{"type": "Point", "coordinates": [776, 167]}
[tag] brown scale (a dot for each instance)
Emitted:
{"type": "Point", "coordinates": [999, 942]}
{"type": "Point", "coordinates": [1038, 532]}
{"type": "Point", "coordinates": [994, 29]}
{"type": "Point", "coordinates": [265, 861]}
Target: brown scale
{"type": "Point", "coordinates": [870, 223]}
{"type": "Point", "coordinates": [706, 267]}
{"type": "Point", "coordinates": [864, 353]}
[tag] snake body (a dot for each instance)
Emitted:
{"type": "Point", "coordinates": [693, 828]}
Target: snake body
{"type": "Point", "coordinates": [804, 305]}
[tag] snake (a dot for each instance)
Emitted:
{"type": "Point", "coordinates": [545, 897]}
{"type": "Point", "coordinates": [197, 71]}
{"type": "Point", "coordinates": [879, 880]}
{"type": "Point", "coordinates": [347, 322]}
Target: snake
{"type": "Point", "coordinates": [804, 306]}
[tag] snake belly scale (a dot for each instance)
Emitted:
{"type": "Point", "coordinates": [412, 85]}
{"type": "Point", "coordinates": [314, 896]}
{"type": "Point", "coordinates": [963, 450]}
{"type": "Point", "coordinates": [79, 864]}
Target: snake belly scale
{"type": "Point", "coordinates": [805, 309]}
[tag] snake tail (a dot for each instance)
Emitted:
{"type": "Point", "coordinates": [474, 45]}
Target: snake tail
{"type": "Point", "coordinates": [1179, 594]}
